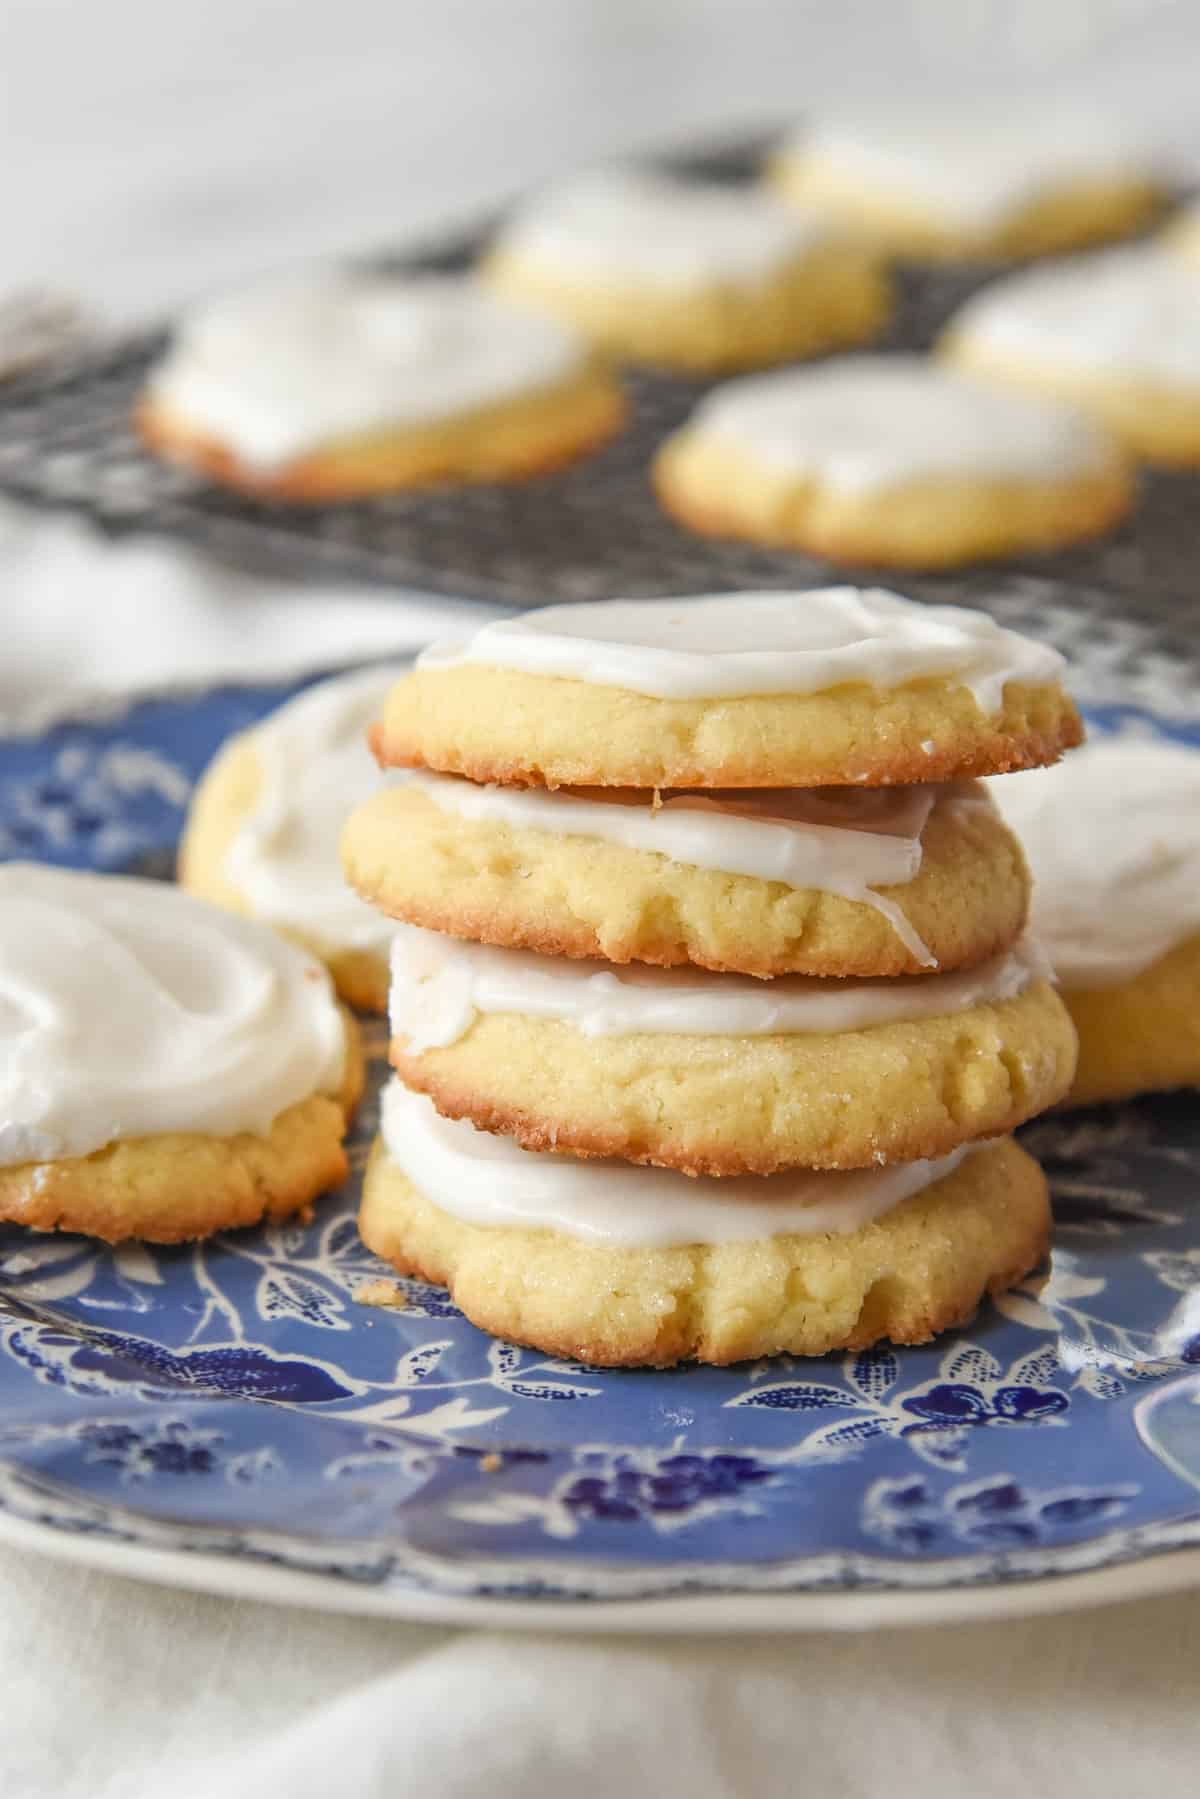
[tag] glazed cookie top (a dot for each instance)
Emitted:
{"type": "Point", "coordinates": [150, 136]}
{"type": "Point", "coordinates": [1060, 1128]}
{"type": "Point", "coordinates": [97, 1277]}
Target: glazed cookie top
{"type": "Point", "coordinates": [280, 371]}
{"type": "Point", "coordinates": [313, 766]}
{"type": "Point", "coordinates": [864, 423]}
{"type": "Point", "coordinates": [974, 170]}
{"type": "Point", "coordinates": [1128, 312]}
{"type": "Point", "coordinates": [440, 985]}
{"type": "Point", "coordinates": [485, 1179]}
{"type": "Point", "coordinates": [645, 228]}
{"type": "Point", "coordinates": [721, 646]}
{"type": "Point", "coordinates": [129, 1009]}
{"type": "Point", "coordinates": [1113, 839]}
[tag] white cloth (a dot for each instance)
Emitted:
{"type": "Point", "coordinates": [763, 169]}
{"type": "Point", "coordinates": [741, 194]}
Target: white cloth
{"type": "Point", "coordinates": [151, 151]}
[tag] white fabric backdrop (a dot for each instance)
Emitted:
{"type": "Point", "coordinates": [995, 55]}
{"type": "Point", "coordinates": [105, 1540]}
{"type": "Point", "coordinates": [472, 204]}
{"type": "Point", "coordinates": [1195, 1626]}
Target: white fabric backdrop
{"type": "Point", "coordinates": [148, 151]}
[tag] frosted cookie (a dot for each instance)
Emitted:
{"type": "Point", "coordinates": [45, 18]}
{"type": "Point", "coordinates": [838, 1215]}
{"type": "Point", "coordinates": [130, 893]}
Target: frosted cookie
{"type": "Point", "coordinates": [945, 186]}
{"type": "Point", "coordinates": [836, 687]}
{"type": "Point", "coordinates": [1113, 837]}
{"type": "Point", "coordinates": [353, 384]}
{"type": "Point", "coordinates": [688, 275]}
{"type": "Point", "coordinates": [819, 881]}
{"type": "Point", "coordinates": [628, 1266]}
{"type": "Point", "coordinates": [891, 460]}
{"type": "Point", "coordinates": [720, 1074]}
{"type": "Point", "coordinates": [168, 1070]}
{"type": "Point", "coordinates": [1118, 334]}
{"type": "Point", "coordinates": [262, 833]}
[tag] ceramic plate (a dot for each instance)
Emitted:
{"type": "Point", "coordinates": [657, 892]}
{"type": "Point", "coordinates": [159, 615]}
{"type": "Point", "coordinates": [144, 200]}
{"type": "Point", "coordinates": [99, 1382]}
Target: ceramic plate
{"type": "Point", "coordinates": [227, 1416]}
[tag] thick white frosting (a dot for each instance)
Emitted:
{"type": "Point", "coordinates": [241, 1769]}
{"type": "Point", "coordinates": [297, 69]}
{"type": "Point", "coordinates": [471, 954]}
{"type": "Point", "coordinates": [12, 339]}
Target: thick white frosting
{"type": "Point", "coordinates": [864, 423]}
{"type": "Point", "coordinates": [971, 170]}
{"type": "Point", "coordinates": [280, 371]}
{"type": "Point", "coordinates": [485, 1179]}
{"type": "Point", "coordinates": [717, 646]}
{"type": "Point", "coordinates": [636, 226]}
{"type": "Point", "coordinates": [847, 841]}
{"type": "Point", "coordinates": [314, 767]}
{"type": "Point", "coordinates": [1133, 311]}
{"type": "Point", "coordinates": [440, 985]}
{"type": "Point", "coordinates": [1113, 839]}
{"type": "Point", "coordinates": [128, 1009]}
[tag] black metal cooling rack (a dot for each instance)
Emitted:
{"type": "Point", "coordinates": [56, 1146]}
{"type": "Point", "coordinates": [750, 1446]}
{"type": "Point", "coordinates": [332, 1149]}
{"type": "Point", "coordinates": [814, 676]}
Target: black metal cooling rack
{"type": "Point", "coordinates": [590, 532]}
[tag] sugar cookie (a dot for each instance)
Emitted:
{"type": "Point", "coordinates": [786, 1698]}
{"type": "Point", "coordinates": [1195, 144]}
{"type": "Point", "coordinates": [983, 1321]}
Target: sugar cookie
{"type": "Point", "coordinates": [833, 687]}
{"type": "Point", "coordinates": [262, 832]}
{"type": "Point", "coordinates": [688, 275]}
{"type": "Point", "coordinates": [170, 1070]}
{"type": "Point", "coordinates": [891, 460]}
{"type": "Point", "coordinates": [823, 881]}
{"type": "Point", "coordinates": [352, 384]}
{"type": "Point", "coordinates": [624, 1267]}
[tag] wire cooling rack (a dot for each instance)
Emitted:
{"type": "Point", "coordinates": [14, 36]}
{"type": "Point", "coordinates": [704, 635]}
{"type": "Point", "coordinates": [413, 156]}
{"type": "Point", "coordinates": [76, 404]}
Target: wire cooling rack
{"type": "Point", "coordinates": [590, 532]}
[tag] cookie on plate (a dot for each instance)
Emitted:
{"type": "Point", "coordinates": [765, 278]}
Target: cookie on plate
{"type": "Point", "coordinates": [891, 460]}
{"type": "Point", "coordinates": [835, 687]}
{"type": "Point", "coordinates": [624, 1268]}
{"type": "Point", "coordinates": [722, 1074]}
{"type": "Point", "coordinates": [262, 831]}
{"type": "Point", "coordinates": [952, 186]}
{"type": "Point", "coordinates": [353, 384]}
{"type": "Point", "coordinates": [1117, 334]}
{"type": "Point", "coordinates": [819, 881]}
{"type": "Point", "coordinates": [170, 1070]}
{"type": "Point", "coordinates": [1113, 837]}
{"type": "Point", "coordinates": [688, 275]}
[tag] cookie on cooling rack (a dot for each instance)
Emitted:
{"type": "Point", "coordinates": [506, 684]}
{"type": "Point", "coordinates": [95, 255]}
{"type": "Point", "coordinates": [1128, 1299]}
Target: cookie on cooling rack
{"type": "Point", "coordinates": [892, 460]}
{"type": "Point", "coordinates": [719, 1074]}
{"type": "Point", "coordinates": [688, 275]}
{"type": "Point", "coordinates": [262, 832]}
{"type": "Point", "coordinates": [170, 1070]}
{"type": "Point", "coordinates": [625, 1267]}
{"type": "Point", "coordinates": [952, 186]}
{"type": "Point", "coordinates": [353, 384]}
{"type": "Point", "coordinates": [1114, 840]}
{"type": "Point", "coordinates": [840, 686]}
{"type": "Point", "coordinates": [1117, 334]}
{"type": "Point", "coordinates": [832, 881]}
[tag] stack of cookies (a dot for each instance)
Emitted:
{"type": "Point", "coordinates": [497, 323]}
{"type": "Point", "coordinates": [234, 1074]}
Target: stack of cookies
{"type": "Point", "coordinates": [711, 1003]}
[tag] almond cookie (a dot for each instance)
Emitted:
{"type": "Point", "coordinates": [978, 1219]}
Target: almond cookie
{"type": "Point", "coordinates": [891, 460]}
{"type": "Point", "coordinates": [170, 1070]}
{"type": "Point", "coordinates": [688, 275]}
{"type": "Point", "coordinates": [1117, 334]}
{"type": "Point", "coordinates": [262, 832]}
{"type": "Point", "coordinates": [953, 186]}
{"type": "Point", "coordinates": [353, 384]}
{"type": "Point", "coordinates": [723, 1075]}
{"type": "Point", "coordinates": [626, 1267]}
{"type": "Point", "coordinates": [1114, 840]}
{"type": "Point", "coordinates": [839, 686]}
{"type": "Point", "coordinates": [818, 881]}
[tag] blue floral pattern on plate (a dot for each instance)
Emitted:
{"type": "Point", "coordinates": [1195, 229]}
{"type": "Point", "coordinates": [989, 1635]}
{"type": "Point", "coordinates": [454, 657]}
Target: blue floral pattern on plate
{"type": "Point", "coordinates": [233, 1398]}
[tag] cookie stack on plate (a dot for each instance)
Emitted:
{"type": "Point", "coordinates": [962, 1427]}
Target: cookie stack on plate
{"type": "Point", "coordinates": [709, 930]}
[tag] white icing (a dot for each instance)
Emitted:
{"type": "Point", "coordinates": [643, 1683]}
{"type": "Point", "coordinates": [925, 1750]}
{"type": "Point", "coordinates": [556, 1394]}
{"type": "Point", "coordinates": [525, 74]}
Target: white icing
{"type": "Point", "coordinates": [280, 371]}
{"type": "Point", "coordinates": [626, 225]}
{"type": "Point", "coordinates": [485, 1179]}
{"type": "Point", "coordinates": [724, 645]}
{"type": "Point", "coordinates": [1113, 839]}
{"type": "Point", "coordinates": [440, 985]}
{"type": "Point", "coordinates": [314, 767]}
{"type": "Point", "coordinates": [1132, 311]}
{"type": "Point", "coordinates": [975, 171]}
{"type": "Point", "coordinates": [128, 1009]}
{"type": "Point", "coordinates": [837, 840]}
{"type": "Point", "coordinates": [865, 423]}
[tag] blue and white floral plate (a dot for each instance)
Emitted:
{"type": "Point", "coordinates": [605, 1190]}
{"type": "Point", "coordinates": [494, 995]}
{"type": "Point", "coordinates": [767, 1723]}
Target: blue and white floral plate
{"type": "Point", "coordinates": [226, 1416]}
